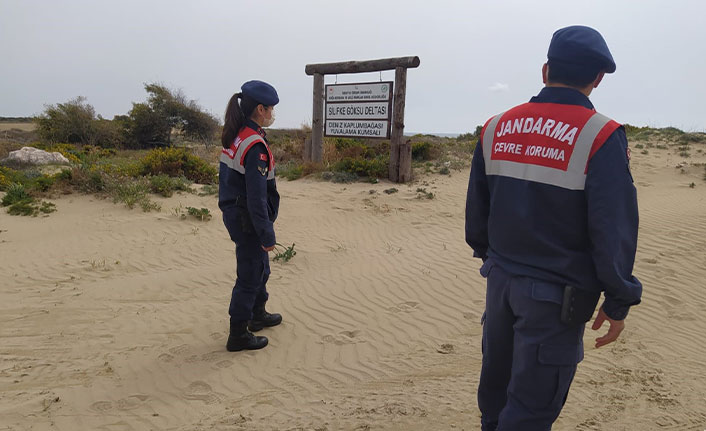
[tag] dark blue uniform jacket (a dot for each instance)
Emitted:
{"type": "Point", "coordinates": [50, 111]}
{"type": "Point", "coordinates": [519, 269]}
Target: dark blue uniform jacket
{"type": "Point", "coordinates": [250, 196]}
{"type": "Point", "coordinates": [586, 238]}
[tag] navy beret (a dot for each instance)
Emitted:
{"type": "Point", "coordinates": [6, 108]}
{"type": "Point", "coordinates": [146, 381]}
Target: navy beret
{"type": "Point", "coordinates": [262, 92]}
{"type": "Point", "coordinates": [582, 46]}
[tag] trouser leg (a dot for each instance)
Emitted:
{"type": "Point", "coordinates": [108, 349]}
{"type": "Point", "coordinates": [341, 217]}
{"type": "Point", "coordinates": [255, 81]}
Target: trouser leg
{"type": "Point", "coordinates": [262, 294]}
{"type": "Point", "coordinates": [252, 274]}
{"type": "Point", "coordinates": [497, 348]}
{"type": "Point", "coordinates": [545, 356]}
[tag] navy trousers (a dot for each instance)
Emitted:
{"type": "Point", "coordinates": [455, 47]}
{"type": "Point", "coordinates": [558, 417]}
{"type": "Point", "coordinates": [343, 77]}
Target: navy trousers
{"type": "Point", "coordinates": [529, 355]}
{"type": "Point", "coordinates": [252, 272]}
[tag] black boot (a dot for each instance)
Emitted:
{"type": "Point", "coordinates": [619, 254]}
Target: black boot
{"type": "Point", "coordinates": [242, 339]}
{"type": "Point", "coordinates": [263, 319]}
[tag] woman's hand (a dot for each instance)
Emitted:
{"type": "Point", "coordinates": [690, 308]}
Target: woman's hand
{"type": "Point", "coordinates": [268, 249]}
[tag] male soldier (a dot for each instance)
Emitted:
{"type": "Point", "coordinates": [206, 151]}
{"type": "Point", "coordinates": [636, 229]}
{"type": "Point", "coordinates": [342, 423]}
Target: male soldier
{"type": "Point", "coordinates": [552, 211]}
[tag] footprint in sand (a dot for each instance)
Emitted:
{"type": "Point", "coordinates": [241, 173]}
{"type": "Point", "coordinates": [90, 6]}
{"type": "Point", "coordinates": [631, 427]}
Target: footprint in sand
{"type": "Point", "coordinates": [343, 337]}
{"type": "Point", "coordinates": [216, 336]}
{"type": "Point", "coordinates": [211, 356]}
{"type": "Point", "coordinates": [131, 402]}
{"type": "Point", "coordinates": [224, 364]}
{"type": "Point", "coordinates": [128, 403]}
{"type": "Point", "coordinates": [201, 391]}
{"type": "Point", "coordinates": [101, 406]}
{"type": "Point", "coordinates": [181, 349]}
{"type": "Point", "coordinates": [165, 357]}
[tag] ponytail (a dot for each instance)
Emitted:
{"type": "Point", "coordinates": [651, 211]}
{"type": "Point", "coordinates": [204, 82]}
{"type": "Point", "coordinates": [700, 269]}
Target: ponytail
{"type": "Point", "coordinates": [236, 114]}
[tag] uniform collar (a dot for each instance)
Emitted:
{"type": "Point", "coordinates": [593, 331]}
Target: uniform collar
{"type": "Point", "coordinates": [253, 125]}
{"type": "Point", "coordinates": [562, 95]}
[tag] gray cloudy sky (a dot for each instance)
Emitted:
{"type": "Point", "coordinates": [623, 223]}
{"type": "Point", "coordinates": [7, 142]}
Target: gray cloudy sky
{"type": "Point", "coordinates": [477, 57]}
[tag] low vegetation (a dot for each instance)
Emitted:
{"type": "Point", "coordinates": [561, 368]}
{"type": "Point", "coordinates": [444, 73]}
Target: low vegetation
{"type": "Point", "coordinates": [163, 146]}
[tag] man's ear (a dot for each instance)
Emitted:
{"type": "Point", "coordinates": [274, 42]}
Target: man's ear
{"type": "Point", "coordinates": [598, 79]}
{"type": "Point", "coordinates": [545, 68]}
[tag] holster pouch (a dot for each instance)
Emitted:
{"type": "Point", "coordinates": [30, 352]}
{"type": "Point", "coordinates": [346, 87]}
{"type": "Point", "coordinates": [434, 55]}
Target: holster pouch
{"type": "Point", "coordinates": [578, 305]}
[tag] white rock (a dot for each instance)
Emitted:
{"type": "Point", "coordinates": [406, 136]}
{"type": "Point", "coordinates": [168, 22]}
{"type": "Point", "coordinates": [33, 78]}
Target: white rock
{"type": "Point", "coordinates": [35, 156]}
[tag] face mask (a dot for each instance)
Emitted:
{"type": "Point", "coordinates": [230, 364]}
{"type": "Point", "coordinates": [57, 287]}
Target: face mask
{"type": "Point", "coordinates": [267, 122]}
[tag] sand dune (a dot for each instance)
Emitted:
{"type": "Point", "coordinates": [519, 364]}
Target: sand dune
{"type": "Point", "coordinates": [114, 319]}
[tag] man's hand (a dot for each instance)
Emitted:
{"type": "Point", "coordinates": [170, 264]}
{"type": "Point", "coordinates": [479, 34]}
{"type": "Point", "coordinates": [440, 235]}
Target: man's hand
{"type": "Point", "coordinates": [616, 327]}
{"type": "Point", "coordinates": [268, 249]}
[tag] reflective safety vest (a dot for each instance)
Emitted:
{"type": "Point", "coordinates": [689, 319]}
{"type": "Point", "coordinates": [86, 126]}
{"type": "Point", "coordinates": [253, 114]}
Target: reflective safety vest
{"type": "Point", "coordinates": [234, 157]}
{"type": "Point", "coordinates": [548, 143]}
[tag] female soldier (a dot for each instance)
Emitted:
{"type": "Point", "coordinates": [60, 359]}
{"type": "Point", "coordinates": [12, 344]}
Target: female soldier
{"type": "Point", "coordinates": [249, 200]}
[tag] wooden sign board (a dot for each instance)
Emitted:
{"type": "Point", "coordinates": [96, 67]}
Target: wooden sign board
{"type": "Point", "coordinates": [358, 110]}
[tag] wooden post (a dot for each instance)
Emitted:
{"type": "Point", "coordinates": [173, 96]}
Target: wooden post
{"type": "Point", "coordinates": [317, 120]}
{"type": "Point", "coordinates": [400, 166]}
{"type": "Point", "coordinates": [405, 172]}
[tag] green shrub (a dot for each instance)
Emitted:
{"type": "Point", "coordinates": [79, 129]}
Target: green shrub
{"type": "Point", "coordinates": [23, 208]}
{"type": "Point", "coordinates": [16, 193]}
{"type": "Point", "coordinates": [339, 177]}
{"type": "Point", "coordinates": [290, 170]}
{"type": "Point", "coordinates": [166, 186]}
{"type": "Point", "coordinates": [421, 151]}
{"type": "Point", "coordinates": [471, 136]}
{"type": "Point", "coordinates": [151, 123]}
{"type": "Point", "coordinates": [133, 193]}
{"type": "Point", "coordinates": [343, 143]}
{"type": "Point", "coordinates": [84, 178]}
{"type": "Point", "coordinates": [178, 162]}
{"type": "Point", "coordinates": [67, 122]}
{"type": "Point", "coordinates": [377, 167]}
{"type": "Point", "coordinates": [42, 183]}
{"type": "Point", "coordinates": [9, 176]}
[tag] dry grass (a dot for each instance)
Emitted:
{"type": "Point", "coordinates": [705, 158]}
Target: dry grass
{"type": "Point", "coordinates": [23, 126]}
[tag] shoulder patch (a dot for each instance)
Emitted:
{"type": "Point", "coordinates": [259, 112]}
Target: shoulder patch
{"type": "Point", "coordinates": [263, 157]}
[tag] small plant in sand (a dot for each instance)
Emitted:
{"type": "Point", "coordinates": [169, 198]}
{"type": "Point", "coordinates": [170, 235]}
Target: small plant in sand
{"type": "Point", "coordinates": [684, 151]}
{"type": "Point", "coordinates": [165, 185]}
{"type": "Point", "coordinates": [422, 193]}
{"type": "Point", "coordinates": [133, 193]}
{"type": "Point", "coordinates": [209, 189]}
{"type": "Point", "coordinates": [284, 253]}
{"type": "Point", "coordinates": [692, 185]}
{"type": "Point", "coordinates": [390, 191]}
{"type": "Point", "coordinates": [182, 212]}
{"type": "Point", "coordinates": [202, 214]}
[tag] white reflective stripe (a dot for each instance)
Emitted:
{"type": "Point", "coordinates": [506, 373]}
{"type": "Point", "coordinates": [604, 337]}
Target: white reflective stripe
{"type": "Point", "coordinates": [583, 145]}
{"type": "Point", "coordinates": [244, 144]}
{"type": "Point", "coordinates": [232, 163]}
{"type": "Point", "coordinates": [574, 178]}
{"type": "Point", "coordinates": [488, 137]}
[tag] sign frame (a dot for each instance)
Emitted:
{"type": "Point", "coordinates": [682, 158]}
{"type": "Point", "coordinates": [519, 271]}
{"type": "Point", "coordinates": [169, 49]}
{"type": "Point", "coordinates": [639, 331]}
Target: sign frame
{"type": "Point", "coordinates": [388, 119]}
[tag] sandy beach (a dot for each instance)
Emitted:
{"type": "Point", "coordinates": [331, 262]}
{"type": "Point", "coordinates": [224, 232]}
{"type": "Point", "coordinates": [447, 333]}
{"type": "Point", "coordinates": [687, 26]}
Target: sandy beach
{"type": "Point", "coordinates": [114, 319]}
